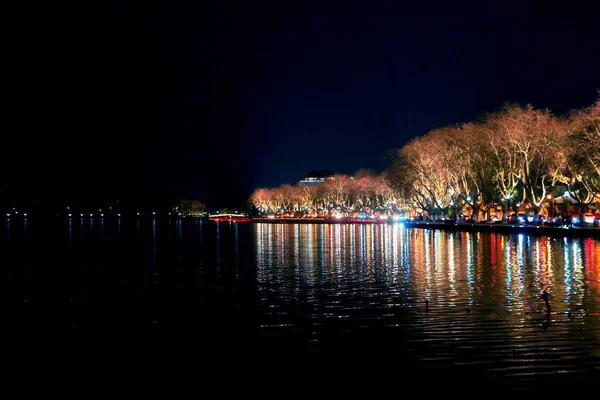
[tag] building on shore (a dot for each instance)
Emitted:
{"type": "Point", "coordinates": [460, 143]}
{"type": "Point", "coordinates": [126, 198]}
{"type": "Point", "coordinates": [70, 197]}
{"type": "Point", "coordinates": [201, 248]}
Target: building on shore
{"type": "Point", "coordinates": [318, 176]}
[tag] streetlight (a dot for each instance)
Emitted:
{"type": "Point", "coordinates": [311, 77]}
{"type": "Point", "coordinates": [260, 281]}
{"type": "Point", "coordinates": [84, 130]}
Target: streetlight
{"type": "Point", "coordinates": [550, 197]}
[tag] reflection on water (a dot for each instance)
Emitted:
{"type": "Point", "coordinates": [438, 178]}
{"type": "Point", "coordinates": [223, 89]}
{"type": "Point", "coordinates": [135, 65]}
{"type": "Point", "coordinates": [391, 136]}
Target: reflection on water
{"type": "Point", "coordinates": [484, 292]}
{"type": "Point", "coordinates": [341, 288]}
{"type": "Point", "coordinates": [503, 273]}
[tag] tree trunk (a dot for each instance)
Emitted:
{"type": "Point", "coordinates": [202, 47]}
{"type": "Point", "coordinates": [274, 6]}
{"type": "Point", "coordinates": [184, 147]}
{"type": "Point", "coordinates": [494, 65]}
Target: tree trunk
{"type": "Point", "coordinates": [536, 210]}
{"type": "Point", "coordinates": [474, 213]}
{"type": "Point", "coordinates": [582, 210]}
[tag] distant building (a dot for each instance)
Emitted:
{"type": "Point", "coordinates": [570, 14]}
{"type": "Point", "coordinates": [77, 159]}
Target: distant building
{"type": "Point", "coordinates": [317, 176]}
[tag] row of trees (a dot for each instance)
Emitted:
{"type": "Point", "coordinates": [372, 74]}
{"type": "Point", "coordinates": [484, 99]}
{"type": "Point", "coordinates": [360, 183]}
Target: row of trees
{"type": "Point", "coordinates": [190, 208]}
{"type": "Point", "coordinates": [518, 157]}
{"type": "Point", "coordinates": [339, 194]}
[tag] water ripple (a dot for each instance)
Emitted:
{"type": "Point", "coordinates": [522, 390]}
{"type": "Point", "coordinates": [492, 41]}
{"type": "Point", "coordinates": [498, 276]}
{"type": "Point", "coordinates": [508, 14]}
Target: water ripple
{"type": "Point", "coordinates": [467, 299]}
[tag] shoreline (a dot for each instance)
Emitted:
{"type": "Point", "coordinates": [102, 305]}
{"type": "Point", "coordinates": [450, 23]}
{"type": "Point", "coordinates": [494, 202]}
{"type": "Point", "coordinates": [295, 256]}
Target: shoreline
{"type": "Point", "coordinates": [538, 230]}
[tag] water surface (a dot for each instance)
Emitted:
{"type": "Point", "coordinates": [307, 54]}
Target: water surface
{"type": "Point", "coordinates": [458, 303]}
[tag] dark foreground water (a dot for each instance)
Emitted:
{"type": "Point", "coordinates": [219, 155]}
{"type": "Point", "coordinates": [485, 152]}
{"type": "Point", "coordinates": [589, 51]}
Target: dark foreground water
{"type": "Point", "coordinates": [335, 304]}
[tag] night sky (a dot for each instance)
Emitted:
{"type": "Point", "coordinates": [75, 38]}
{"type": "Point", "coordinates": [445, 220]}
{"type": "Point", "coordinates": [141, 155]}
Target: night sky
{"type": "Point", "coordinates": [213, 101]}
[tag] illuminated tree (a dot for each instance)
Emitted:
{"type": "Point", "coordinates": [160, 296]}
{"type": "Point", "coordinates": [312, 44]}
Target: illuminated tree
{"type": "Point", "coordinates": [505, 160]}
{"type": "Point", "coordinates": [307, 194]}
{"type": "Point", "coordinates": [524, 143]}
{"type": "Point", "coordinates": [578, 163]}
{"type": "Point", "coordinates": [469, 160]}
{"type": "Point", "coordinates": [417, 171]}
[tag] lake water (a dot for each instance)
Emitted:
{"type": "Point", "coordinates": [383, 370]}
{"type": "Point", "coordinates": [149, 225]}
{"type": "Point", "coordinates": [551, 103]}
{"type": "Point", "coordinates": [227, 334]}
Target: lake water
{"type": "Point", "coordinates": [456, 305]}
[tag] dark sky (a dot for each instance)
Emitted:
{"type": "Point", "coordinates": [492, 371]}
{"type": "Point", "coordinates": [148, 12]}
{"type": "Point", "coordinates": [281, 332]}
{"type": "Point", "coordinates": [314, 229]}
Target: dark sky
{"type": "Point", "coordinates": [210, 102]}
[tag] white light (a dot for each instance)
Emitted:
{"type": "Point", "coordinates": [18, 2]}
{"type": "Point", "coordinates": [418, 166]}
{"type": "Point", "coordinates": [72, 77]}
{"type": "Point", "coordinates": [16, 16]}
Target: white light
{"type": "Point", "coordinates": [138, 213]}
{"type": "Point", "coordinates": [8, 215]}
{"type": "Point", "coordinates": [469, 198]}
{"type": "Point", "coordinates": [91, 215]}
{"type": "Point", "coordinates": [566, 193]}
{"type": "Point", "coordinates": [25, 214]}
{"type": "Point", "coordinates": [508, 197]}
{"type": "Point", "coordinates": [118, 215]}
{"type": "Point", "coordinates": [153, 213]}
{"type": "Point", "coordinates": [69, 215]}
{"type": "Point", "coordinates": [102, 215]}
{"type": "Point", "coordinates": [81, 215]}
{"type": "Point", "coordinates": [16, 212]}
